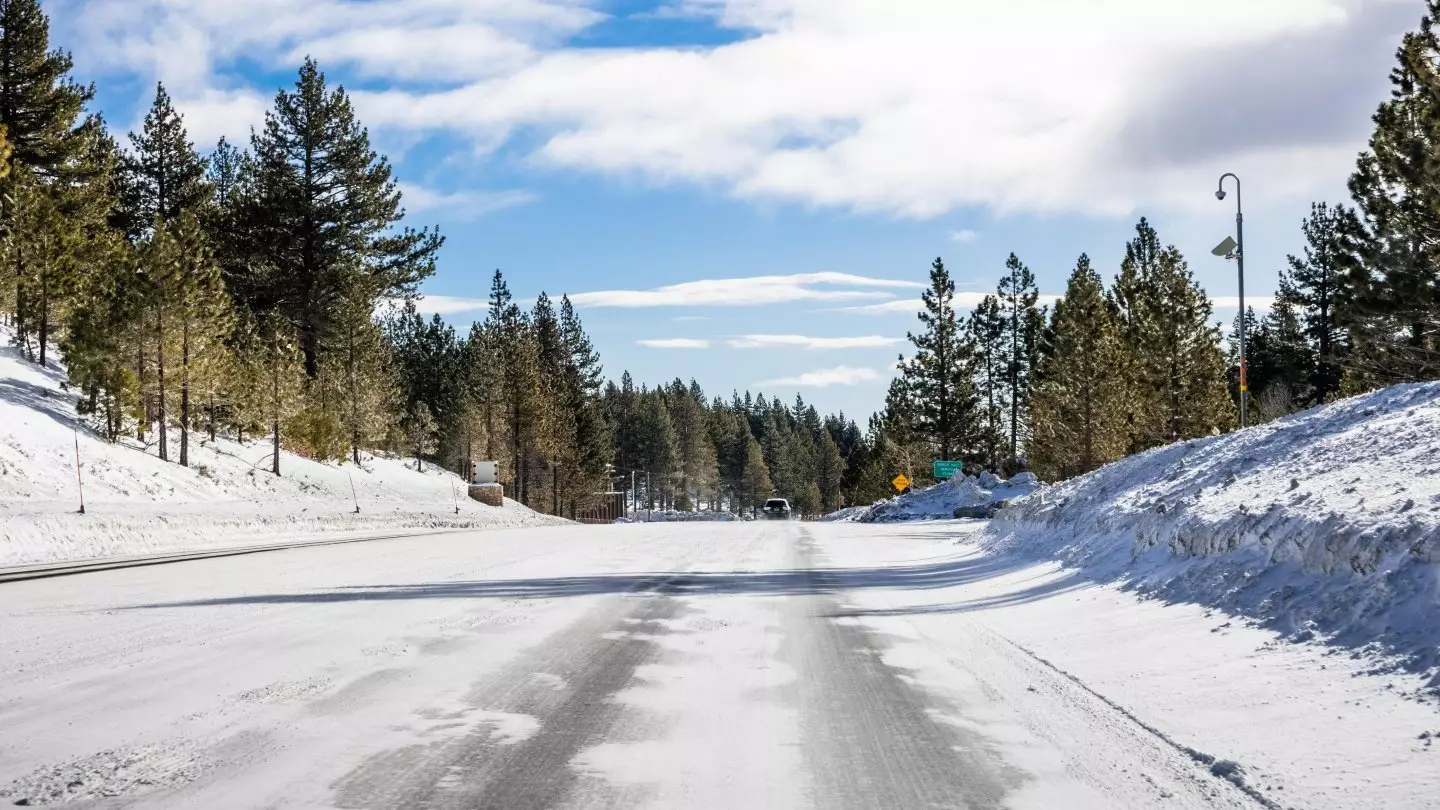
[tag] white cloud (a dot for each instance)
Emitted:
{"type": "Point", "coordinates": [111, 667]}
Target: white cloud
{"type": "Point", "coordinates": [462, 205]}
{"type": "Point", "coordinates": [689, 318]}
{"type": "Point", "coordinates": [893, 107]}
{"type": "Point", "coordinates": [450, 304]}
{"type": "Point", "coordinates": [896, 107]}
{"type": "Point", "coordinates": [211, 114]}
{"type": "Point", "coordinates": [965, 236]}
{"type": "Point", "coordinates": [964, 301]}
{"type": "Point", "coordinates": [674, 343]}
{"type": "Point", "coordinates": [752, 291]}
{"type": "Point", "coordinates": [824, 378]}
{"type": "Point", "coordinates": [803, 342]}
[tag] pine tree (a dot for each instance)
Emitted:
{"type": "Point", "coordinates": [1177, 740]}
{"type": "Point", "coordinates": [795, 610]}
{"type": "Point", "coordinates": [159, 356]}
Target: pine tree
{"type": "Point", "coordinates": [269, 377]}
{"type": "Point", "coordinates": [1314, 287]}
{"type": "Point", "coordinates": [1019, 343]}
{"type": "Point", "coordinates": [98, 343]}
{"type": "Point", "coordinates": [512, 339]}
{"type": "Point", "coordinates": [986, 330]}
{"type": "Point", "coordinates": [656, 444]}
{"type": "Point", "coordinates": [1392, 300]}
{"type": "Point", "coordinates": [556, 425]}
{"type": "Point", "coordinates": [831, 474]}
{"type": "Point", "coordinates": [49, 243]}
{"type": "Point", "coordinates": [591, 444]}
{"type": "Point", "coordinates": [1078, 401]}
{"type": "Point", "coordinates": [319, 215]}
{"type": "Point", "coordinates": [192, 292]}
{"type": "Point", "coordinates": [420, 430]}
{"type": "Point", "coordinates": [1174, 364]}
{"type": "Point", "coordinates": [365, 371]}
{"type": "Point", "coordinates": [938, 378]}
{"type": "Point", "coordinates": [756, 484]}
{"type": "Point", "coordinates": [41, 110]}
{"type": "Point", "coordinates": [164, 174]}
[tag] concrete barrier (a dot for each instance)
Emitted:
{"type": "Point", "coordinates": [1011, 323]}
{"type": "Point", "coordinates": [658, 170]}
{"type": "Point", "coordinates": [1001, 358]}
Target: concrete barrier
{"type": "Point", "coordinates": [488, 494]}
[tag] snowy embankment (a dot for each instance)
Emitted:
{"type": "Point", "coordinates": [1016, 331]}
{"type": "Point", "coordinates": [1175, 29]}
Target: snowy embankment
{"type": "Point", "coordinates": [674, 516]}
{"type": "Point", "coordinates": [940, 501]}
{"type": "Point", "coordinates": [1324, 525]}
{"type": "Point", "coordinates": [135, 503]}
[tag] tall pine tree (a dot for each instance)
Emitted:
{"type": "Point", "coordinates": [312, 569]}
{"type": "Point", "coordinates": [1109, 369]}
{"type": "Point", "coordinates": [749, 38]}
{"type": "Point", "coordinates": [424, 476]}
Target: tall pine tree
{"type": "Point", "coordinates": [320, 211]}
{"type": "Point", "coordinates": [1078, 402]}
{"type": "Point", "coordinates": [938, 378]}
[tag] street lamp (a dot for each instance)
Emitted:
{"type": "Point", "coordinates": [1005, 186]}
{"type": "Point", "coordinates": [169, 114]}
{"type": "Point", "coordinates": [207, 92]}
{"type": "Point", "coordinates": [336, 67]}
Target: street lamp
{"type": "Point", "coordinates": [1239, 253]}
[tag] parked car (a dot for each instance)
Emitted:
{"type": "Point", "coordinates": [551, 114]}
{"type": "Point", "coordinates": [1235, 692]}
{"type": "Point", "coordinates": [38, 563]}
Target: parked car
{"type": "Point", "coordinates": [777, 509]}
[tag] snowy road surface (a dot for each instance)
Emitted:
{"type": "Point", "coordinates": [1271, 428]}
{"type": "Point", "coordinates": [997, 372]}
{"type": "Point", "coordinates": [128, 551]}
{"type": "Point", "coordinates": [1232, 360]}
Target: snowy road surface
{"type": "Point", "coordinates": [730, 665]}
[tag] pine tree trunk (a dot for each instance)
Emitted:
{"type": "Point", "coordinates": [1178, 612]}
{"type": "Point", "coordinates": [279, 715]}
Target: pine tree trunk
{"type": "Point", "coordinates": [555, 486]}
{"type": "Point", "coordinates": [44, 314]}
{"type": "Point", "coordinates": [20, 328]}
{"type": "Point", "coordinates": [210, 421]}
{"type": "Point", "coordinates": [185, 396]}
{"type": "Point", "coordinates": [160, 382]}
{"type": "Point", "coordinates": [275, 415]}
{"type": "Point", "coordinates": [140, 380]}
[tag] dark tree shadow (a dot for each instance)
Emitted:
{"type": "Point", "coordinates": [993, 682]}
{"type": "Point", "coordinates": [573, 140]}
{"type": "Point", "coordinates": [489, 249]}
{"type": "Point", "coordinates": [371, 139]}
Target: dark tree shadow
{"type": "Point", "coordinates": [783, 582]}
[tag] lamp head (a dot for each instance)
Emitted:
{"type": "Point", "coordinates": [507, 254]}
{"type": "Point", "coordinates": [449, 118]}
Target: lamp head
{"type": "Point", "coordinates": [1220, 194]}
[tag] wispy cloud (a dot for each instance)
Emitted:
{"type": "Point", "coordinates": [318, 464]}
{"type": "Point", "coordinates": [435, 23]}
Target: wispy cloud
{"type": "Point", "coordinates": [689, 318]}
{"type": "Point", "coordinates": [824, 378]}
{"type": "Point", "coordinates": [674, 343]}
{"type": "Point", "coordinates": [803, 342]}
{"type": "Point", "coordinates": [462, 205]}
{"type": "Point", "coordinates": [964, 301]}
{"type": "Point", "coordinates": [751, 291]}
{"type": "Point", "coordinates": [449, 304]}
{"type": "Point", "coordinates": [964, 236]}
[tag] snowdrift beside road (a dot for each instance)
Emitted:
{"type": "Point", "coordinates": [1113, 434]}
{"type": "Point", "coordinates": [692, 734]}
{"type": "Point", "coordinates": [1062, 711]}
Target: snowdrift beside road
{"type": "Point", "coordinates": [136, 503]}
{"type": "Point", "coordinates": [1325, 524]}
{"type": "Point", "coordinates": [940, 501]}
{"type": "Point", "coordinates": [675, 516]}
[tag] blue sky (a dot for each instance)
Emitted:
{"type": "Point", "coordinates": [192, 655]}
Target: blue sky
{"type": "Point", "coordinates": [788, 163]}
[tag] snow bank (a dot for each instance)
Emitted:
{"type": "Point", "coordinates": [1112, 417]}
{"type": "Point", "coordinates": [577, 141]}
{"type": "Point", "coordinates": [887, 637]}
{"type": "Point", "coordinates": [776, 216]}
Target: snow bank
{"type": "Point", "coordinates": [136, 503]}
{"type": "Point", "coordinates": [1324, 525]}
{"type": "Point", "coordinates": [940, 501]}
{"type": "Point", "coordinates": [674, 516]}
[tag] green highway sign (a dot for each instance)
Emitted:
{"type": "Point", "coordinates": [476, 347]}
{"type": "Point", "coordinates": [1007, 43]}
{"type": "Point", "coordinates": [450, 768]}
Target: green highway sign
{"type": "Point", "coordinates": [949, 469]}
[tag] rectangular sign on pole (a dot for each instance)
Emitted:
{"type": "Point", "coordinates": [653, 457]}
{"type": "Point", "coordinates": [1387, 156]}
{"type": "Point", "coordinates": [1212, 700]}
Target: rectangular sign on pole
{"type": "Point", "coordinates": [482, 472]}
{"type": "Point", "coordinates": [948, 469]}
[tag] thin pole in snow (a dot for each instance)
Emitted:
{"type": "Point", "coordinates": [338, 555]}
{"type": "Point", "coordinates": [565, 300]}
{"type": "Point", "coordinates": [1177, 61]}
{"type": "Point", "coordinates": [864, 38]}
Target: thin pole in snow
{"type": "Point", "coordinates": [356, 497]}
{"type": "Point", "coordinates": [78, 480]}
{"type": "Point", "coordinates": [455, 498]}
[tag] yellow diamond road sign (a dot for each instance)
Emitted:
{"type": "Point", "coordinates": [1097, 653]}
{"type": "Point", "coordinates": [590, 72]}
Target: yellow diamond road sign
{"type": "Point", "coordinates": [901, 482]}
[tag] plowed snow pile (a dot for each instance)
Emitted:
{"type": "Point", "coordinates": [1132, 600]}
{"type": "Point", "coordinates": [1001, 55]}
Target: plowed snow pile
{"type": "Point", "coordinates": [136, 503]}
{"type": "Point", "coordinates": [1324, 525]}
{"type": "Point", "coordinates": [940, 501]}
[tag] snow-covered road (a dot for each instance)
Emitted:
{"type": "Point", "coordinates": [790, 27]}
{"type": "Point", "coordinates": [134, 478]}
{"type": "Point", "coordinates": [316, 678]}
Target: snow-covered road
{"type": "Point", "coordinates": [697, 665]}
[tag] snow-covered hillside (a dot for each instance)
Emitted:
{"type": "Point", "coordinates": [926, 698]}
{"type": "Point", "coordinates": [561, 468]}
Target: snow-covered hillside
{"type": "Point", "coordinates": [1324, 525]}
{"type": "Point", "coordinates": [940, 501]}
{"type": "Point", "coordinates": [137, 503]}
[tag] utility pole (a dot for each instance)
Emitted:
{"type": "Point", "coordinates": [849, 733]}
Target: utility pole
{"type": "Point", "coordinates": [1240, 263]}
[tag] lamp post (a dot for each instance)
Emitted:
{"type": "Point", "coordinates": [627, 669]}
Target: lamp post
{"type": "Point", "coordinates": [1240, 263]}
